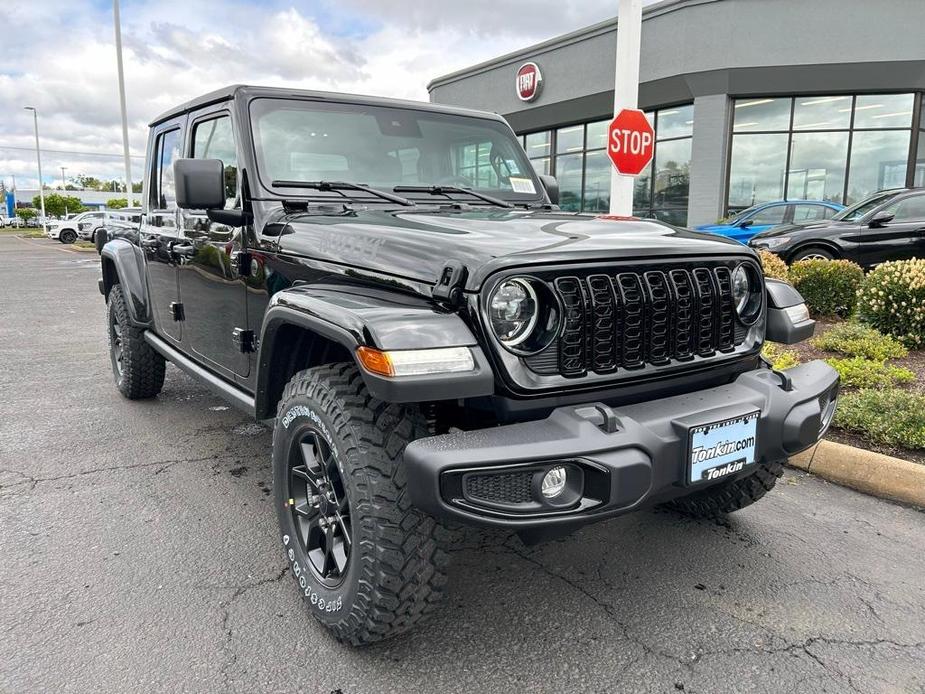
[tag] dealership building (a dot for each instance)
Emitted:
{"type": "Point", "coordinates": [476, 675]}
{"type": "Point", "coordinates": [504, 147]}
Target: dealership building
{"type": "Point", "coordinates": [750, 100]}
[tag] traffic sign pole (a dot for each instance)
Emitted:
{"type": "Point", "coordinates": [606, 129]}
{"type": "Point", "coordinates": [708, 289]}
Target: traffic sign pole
{"type": "Point", "coordinates": [626, 92]}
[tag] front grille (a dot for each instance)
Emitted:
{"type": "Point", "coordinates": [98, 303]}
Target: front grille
{"type": "Point", "coordinates": [500, 488]}
{"type": "Point", "coordinates": [631, 319]}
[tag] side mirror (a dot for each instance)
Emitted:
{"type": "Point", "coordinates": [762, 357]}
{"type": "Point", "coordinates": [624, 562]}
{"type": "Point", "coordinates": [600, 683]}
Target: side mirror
{"type": "Point", "coordinates": [200, 184]}
{"type": "Point", "coordinates": [746, 224]}
{"type": "Point", "coordinates": [552, 188]}
{"type": "Point", "coordinates": [879, 219]}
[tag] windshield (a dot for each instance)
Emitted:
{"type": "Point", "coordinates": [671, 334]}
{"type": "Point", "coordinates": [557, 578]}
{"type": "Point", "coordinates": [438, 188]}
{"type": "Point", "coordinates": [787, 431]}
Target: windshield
{"type": "Point", "coordinates": [384, 147]}
{"type": "Point", "coordinates": [859, 209]}
{"type": "Point", "coordinates": [739, 216]}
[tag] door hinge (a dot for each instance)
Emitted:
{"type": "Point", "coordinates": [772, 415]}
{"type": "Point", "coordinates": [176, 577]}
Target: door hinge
{"type": "Point", "coordinates": [450, 284]}
{"type": "Point", "coordinates": [176, 310]}
{"type": "Point", "coordinates": [244, 339]}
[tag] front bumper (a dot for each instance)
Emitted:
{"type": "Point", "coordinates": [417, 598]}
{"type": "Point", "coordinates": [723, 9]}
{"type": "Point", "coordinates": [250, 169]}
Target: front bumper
{"type": "Point", "coordinates": [623, 458]}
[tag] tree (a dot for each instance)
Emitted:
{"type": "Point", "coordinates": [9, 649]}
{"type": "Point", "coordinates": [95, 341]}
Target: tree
{"type": "Point", "coordinates": [116, 203]}
{"type": "Point", "coordinates": [26, 214]}
{"type": "Point", "coordinates": [89, 182]}
{"type": "Point", "coordinates": [136, 187]}
{"type": "Point", "coordinates": [59, 205]}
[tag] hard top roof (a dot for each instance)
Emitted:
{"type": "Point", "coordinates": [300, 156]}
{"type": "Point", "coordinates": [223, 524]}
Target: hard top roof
{"type": "Point", "coordinates": [249, 91]}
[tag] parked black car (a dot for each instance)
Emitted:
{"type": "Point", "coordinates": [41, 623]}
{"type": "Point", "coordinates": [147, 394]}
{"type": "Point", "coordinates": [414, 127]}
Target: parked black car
{"type": "Point", "coordinates": [392, 288]}
{"type": "Point", "coordinates": [889, 225]}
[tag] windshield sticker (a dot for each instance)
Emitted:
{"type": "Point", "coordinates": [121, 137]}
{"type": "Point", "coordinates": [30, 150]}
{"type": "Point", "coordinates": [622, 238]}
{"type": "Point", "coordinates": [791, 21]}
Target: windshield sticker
{"type": "Point", "coordinates": [522, 185]}
{"type": "Point", "coordinates": [512, 166]}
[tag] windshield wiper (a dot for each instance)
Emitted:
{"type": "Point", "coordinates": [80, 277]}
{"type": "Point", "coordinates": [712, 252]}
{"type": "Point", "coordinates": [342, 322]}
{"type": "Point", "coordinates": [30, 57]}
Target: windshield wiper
{"type": "Point", "coordinates": [339, 186]}
{"type": "Point", "coordinates": [446, 190]}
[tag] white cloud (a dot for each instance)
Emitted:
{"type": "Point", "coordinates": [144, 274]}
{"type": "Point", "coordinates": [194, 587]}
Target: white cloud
{"type": "Point", "coordinates": [59, 56]}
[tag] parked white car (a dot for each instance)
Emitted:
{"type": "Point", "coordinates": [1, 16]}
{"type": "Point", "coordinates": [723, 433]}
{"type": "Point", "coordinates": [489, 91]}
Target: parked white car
{"type": "Point", "coordinates": [124, 216]}
{"type": "Point", "coordinates": [69, 230]}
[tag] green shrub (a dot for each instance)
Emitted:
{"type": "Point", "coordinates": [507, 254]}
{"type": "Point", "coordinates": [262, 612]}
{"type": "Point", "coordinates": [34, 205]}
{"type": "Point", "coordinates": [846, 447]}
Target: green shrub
{"type": "Point", "coordinates": [856, 340]}
{"type": "Point", "coordinates": [858, 372]}
{"type": "Point", "coordinates": [773, 265]}
{"type": "Point", "coordinates": [830, 287]}
{"type": "Point", "coordinates": [891, 417]}
{"type": "Point", "coordinates": [892, 299]}
{"type": "Point", "coordinates": [780, 358]}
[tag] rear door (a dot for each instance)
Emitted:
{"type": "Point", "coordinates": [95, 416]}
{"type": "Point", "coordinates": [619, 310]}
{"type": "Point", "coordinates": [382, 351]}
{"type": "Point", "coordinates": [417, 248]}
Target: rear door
{"type": "Point", "coordinates": [212, 288]}
{"type": "Point", "coordinates": [901, 238]}
{"type": "Point", "coordinates": [807, 213]}
{"type": "Point", "coordinates": [158, 231]}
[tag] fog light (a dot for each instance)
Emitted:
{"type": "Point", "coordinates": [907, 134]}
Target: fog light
{"type": "Point", "coordinates": [554, 482]}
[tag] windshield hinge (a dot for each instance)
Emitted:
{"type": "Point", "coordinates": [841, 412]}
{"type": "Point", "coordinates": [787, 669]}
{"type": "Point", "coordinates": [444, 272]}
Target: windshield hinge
{"type": "Point", "coordinates": [450, 284]}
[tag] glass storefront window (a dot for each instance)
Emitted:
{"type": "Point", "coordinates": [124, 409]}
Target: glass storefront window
{"type": "Point", "coordinates": [597, 134]}
{"type": "Point", "coordinates": [878, 161]}
{"type": "Point", "coordinates": [919, 177]}
{"type": "Point", "coordinates": [883, 111]}
{"type": "Point", "coordinates": [756, 115]}
{"type": "Point", "coordinates": [817, 166]}
{"type": "Point", "coordinates": [672, 174]}
{"type": "Point", "coordinates": [642, 192]}
{"type": "Point", "coordinates": [675, 122]}
{"type": "Point", "coordinates": [596, 196]}
{"type": "Point", "coordinates": [822, 112]}
{"type": "Point", "coordinates": [570, 139]}
{"type": "Point", "coordinates": [541, 166]}
{"type": "Point", "coordinates": [568, 173]}
{"type": "Point", "coordinates": [538, 144]}
{"type": "Point", "coordinates": [757, 170]}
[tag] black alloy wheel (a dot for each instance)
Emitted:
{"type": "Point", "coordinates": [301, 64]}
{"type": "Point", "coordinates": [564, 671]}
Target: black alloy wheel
{"type": "Point", "coordinates": [116, 346]}
{"type": "Point", "coordinates": [320, 508]}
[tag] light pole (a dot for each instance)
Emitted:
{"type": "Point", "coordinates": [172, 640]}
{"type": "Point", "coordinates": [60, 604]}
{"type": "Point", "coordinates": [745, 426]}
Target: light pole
{"type": "Point", "coordinates": [63, 179]}
{"type": "Point", "coordinates": [38, 158]}
{"type": "Point", "coordinates": [128, 161]}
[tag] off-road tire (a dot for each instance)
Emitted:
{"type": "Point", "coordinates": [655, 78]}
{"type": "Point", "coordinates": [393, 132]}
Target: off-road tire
{"type": "Point", "coordinates": [395, 572]}
{"type": "Point", "coordinates": [141, 372]}
{"type": "Point", "coordinates": [67, 236]}
{"type": "Point", "coordinates": [727, 497]}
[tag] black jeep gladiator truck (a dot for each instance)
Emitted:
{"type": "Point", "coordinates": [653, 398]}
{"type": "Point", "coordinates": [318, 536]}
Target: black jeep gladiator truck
{"type": "Point", "coordinates": [394, 289]}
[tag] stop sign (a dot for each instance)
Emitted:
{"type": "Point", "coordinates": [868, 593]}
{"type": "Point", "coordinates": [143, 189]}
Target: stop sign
{"type": "Point", "coordinates": [630, 142]}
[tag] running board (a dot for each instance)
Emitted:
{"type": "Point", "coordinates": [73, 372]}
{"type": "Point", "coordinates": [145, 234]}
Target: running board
{"type": "Point", "coordinates": [219, 386]}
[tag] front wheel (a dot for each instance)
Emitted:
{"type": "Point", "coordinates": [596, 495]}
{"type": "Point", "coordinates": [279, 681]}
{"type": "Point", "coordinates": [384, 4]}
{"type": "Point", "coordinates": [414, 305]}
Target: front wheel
{"type": "Point", "coordinates": [813, 254]}
{"type": "Point", "coordinates": [726, 497]}
{"type": "Point", "coordinates": [137, 368]}
{"type": "Point", "coordinates": [367, 563]}
{"type": "Point", "coordinates": [67, 236]}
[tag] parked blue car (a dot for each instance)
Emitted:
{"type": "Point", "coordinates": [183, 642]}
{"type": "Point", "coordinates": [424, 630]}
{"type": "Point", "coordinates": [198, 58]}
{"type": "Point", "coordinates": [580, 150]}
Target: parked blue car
{"type": "Point", "coordinates": [768, 215]}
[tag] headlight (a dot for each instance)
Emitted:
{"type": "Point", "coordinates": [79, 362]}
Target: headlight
{"type": "Point", "coordinates": [746, 293]}
{"type": "Point", "coordinates": [775, 241]}
{"type": "Point", "coordinates": [513, 311]}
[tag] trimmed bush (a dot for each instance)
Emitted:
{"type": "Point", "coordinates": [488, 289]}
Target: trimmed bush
{"type": "Point", "coordinates": [858, 372]}
{"type": "Point", "coordinates": [892, 299]}
{"type": "Point", "coordinates": [890, 417]}
{"type": "Point", "coordinates": [780, 358]}
{"type": "Point", "coordinates": [830, 287]}
{"type": "Point", "coordinates": [773, 265]}
{"type": "Point", "coordinates": [856, 340]}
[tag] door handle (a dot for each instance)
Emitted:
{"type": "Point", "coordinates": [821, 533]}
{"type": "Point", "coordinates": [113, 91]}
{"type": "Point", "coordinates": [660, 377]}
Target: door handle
{"type": "Point", "coordinates": [184, 250]}
{"type": "Point", "coordinates": [152, 243]}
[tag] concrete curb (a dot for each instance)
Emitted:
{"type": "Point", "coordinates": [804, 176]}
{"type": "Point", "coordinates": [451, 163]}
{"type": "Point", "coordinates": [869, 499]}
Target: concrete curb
{"type": "Point", "coordinates": [872, 473]}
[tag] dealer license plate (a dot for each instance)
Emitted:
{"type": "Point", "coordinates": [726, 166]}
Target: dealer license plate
{"type": "Point", "coordinates": [722, 448]}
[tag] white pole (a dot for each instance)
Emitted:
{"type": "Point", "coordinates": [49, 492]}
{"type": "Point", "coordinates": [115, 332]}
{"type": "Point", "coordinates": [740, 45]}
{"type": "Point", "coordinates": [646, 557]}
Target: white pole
{"type": "Point", "coordinates": [38, 159]}
{"type": "Point", "coordinates": [128, 159]}
{"type": "Point", "coordinates": [626, 92]}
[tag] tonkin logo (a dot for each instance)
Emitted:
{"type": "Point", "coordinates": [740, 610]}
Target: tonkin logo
{"type": "Point", "coordinates": [529, 82]}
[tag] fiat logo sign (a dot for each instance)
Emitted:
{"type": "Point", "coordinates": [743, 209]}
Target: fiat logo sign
{"type": "Point", "coordinates": [529, 82]}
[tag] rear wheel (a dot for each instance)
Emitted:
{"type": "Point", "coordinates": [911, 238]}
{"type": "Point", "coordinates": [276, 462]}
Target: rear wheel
{"type": "Point", "coordinates": [67, 236]}
{"type": "Point", "coordinates": [813, 253]}
{"type": "Point", "coordinates": [367, 563]}
{"type": "Point", "coordinates": [137, 368]}
{"type": "Point", "coordinates": [727, 497]}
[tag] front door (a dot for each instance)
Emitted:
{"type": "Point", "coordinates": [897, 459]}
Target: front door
{"type": "Point", "coordinates": [899, 239]}
{"type": "Point", "coordinates": [212, 286]}
{"type": "Point", "coordinates": [158, 231]}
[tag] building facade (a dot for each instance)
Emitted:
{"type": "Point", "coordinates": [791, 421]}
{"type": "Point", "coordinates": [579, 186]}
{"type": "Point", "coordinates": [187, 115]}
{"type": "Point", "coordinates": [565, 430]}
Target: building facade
{"type": "Point", "coordinates": [750, 100]}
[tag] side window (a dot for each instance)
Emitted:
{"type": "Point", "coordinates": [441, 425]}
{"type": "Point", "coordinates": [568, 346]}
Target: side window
{"type": "Point", "coordinates": [829, 212]}
{"type": "Point", "coordinates": [909, 209]}
{"type": "Point", "coordinates": [214, 139]}
{"type": "Point", "coordinates": [163, 190]}
{"type": "Point", "coordinates": [808, 213]}
{"type": "Point", "coordinates": [770, 215]}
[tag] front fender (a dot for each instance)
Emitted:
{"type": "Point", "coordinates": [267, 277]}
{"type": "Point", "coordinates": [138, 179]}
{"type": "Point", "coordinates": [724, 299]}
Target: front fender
{"type": "Point", "coordinates": [355, 316]}
{"type": "Point", "coordinates": [124, 263]}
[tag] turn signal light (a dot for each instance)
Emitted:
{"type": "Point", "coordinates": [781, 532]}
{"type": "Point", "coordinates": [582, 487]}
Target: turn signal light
{"type": "Point", "coordinates": [416, 362]}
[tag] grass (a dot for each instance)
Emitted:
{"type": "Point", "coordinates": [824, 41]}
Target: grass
{"type": "Point", "coordinates": [891, 416]}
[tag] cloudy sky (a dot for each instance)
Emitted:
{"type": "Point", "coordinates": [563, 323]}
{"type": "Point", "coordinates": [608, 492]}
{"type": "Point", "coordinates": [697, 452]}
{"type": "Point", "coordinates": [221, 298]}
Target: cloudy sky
{"type": "Point", "coordinates": [59, 56]}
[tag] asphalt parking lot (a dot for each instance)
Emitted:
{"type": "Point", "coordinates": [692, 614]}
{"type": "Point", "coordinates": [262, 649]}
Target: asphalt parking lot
{"type": "Point", "coordinates": [139, 553]}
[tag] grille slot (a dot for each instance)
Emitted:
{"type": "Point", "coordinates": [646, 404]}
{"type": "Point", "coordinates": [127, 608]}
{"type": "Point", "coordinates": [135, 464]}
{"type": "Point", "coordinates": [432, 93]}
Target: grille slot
{"type": "Point", "coordinates": [630, 319]}
{"type": "Point", "coordinates": [500, 488]}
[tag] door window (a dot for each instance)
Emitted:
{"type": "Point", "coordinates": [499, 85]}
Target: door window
{"type": "Point", "coordinates": [770, 215]}
{"type": "Point", "coordinates": [908, 210]}
{"type": "Point", "coordinates": [214, 139]}
{"type": "Point", "coordinates": [166, 152]}
{"type": "Point", "coordinates": [808, 213]}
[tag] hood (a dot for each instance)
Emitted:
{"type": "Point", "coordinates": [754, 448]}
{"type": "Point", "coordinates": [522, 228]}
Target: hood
{"type": "Point", "coordinates": [417, 244]}
{"type": "Point", "coordinates": [813, 226]}
{"type": "Point", "coordinates": [714, 227]}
